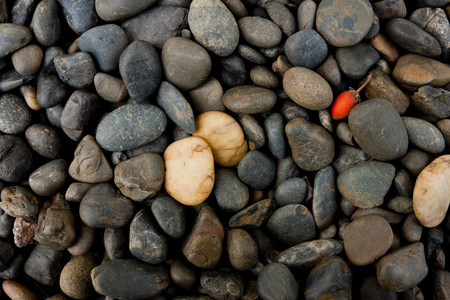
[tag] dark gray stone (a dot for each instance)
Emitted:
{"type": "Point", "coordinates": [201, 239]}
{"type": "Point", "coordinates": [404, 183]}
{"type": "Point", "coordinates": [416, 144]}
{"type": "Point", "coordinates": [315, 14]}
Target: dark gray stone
{"type": "Point", "coordinates": [306, 48]}
{"type": "Point", "coordinates": [120, 9]}
{"type": "Point", "coordinates": [45, 23]}
{"type": "Point", "coordinates": [432, 101]}
{"type": "Point", "coordinates": [50, 90]}
{"type": "Point", "coordinates": [250, 54]}
{"type": "Point", "coordinates": [403, 183]}
{"type": "Point", "coordinates": [13, 37]}
{"type": "Point", "coordinates": [116, 242]}
{"type": "Point", "coordinates": [260, 32]}
{"type": "Point", "coordinates": [79, 15]}
{"type": "Point", "coordinates": [424, 135]}
{"type": "Point", "coordinates": [11, 80]}
{"type": "Point", "coordinates": [324, 205]}
{"type": "Point", "coordinates": [291, 191]}
{"type": "Point", "coordinates": [233, 72]}
{"type": "Point", "coordinates": [256, 170]}
{"type": "Point", "coordinates": [16, 159]}
{"type": "Point", "coordinates": [49, 178]}
{"type": "Point", "coordinates": [231, 193]}
{"type": "Point", "coordinates": [281, 16]}
{"type": "Point", "coordinates": [44, 265]}
{"type": "Point", "coordinates": [157, 146]}
{"type": "Point", "coordinates": [416, 160]}
{"type": "Point", "coordinates": [7, 252]}
{"type": "Point", "coordinates": [253, 130]}
{"type": "Point", "coordinates": [286, 168]}
{"type": "Point", "coordinates": [44, 139]}
{"type": "Point", "coordinates": [21, 11]}
{"type": "Point", "coordinates": [291, 110]}
{"type": "Point", "coordinates": [170, 216]}
{"type": "Point", "coordinates": [400, 204]}
{"type": "Point", "coordinates": [274, 128]}
{"type": "Point", "coordinates": [356, 60]}
{"type": "Point", "coordinates": [220, 285]}
{"type": "Point", "coordinates": [348, 156]}
{"type": "Point", "coordinates": [54, 114]}
{"type": "Point", "coordinates": [15, 116]}
{"type": "Point", "coordinates": [276, 279]}
{"type": "Point", "coordinates": [77, 69]}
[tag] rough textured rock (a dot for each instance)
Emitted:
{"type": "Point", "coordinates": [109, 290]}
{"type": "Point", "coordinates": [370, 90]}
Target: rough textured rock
{"type": "Point", "coordinates": [15, 116]}
{"type": "Point", "coordinates": [75, 280]}
{"type": "Point", "coordinates": [16, 160]}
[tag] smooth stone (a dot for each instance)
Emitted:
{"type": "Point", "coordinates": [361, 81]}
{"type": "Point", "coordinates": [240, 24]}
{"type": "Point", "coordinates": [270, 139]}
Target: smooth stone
{"type": "Point", "coordinates": [403, 183]}
{"type": "Point", "coordinates": [207, 96]}
{"type": "Point", "coordinates": [204, 245]}
{"type": "Point", "coordinates": [19, 201]}
{"type": "Point", "coordinates": [309, 140]}
{"type": "Point", "coordinates": [365, 184]}
{"type": "Point", "coordinates": [56, 224]}
{"type": "Point", "coordinates": [176, 107]}
{"type": "Point", "coordinates": [89, 164]}
{"type": "Point", "coordinates": [370, 289]}
{"type": "Point", "coordinates": [27, 60]}
{"type": "Point", "coordinates": [347, 208]}
{"type": "Point", "coordinates": [110, 88]}
{"type": "Point", "coordinates": [356, 60]}
{"type": "Point", "coordinates": [170, 216]}
{"type": "Point", "coordinates": [246, 99]}
{"type": "Point", "coordinates": [45, 23]}
{"type": "Point", "coordinates": [432, 101]}
{"type": "Point", "coordinates": [6, 254]}
{"type": "Point", "coordinates": [48, 179]}
{"type": "Point", "coordinates": [389, 9]}
{"type": "Point", "coordinates": [48, 66]}
{"type": "Point", "coordinates": [29, 93]}
{"type": "Point", "coordinates": [412, 229]}
{"type": "Point", "coordinates": [263, 77]}
{"type": "Point", "coordinates": [374, 29]}
{"type": "Point", "coordinates": [380, 133]}
{"type": "Point", "coordinates": [274, 128]}
{"type": "Point", "coordinates": [416, 160]}
{"type": "Point", "coordinates": [441, 284]}
{"type": "Point", "coordinates": [307, 88]}
{"type": "Point", "coordinates": [400, 204]}
{"type": "Point", "coordinates": [182, 275]}
{"type": "Point", "coordinates": [233, 71]}
{"type": "Point", "coordinates": [352, 21]}
{"type": "Point", "coordinates": [44, 139]}
{"type": "Point", "coordinates": [6, 224]}
{"type": "Point", "coordinates": [254, 215]}
{"type": "Point", "coordinates": [429, 200]}
{"type": "Point", "coordinates": [130, 126]}
{"type": "Point", "coordinates": [285, 219]}
{"type": "Point", "coordinates": [222, 285]}
{"type": "Point", "coordinates": [253, 131]}
{"type": "Point", "coordinates": [141, 69]}
{"type": "Point", "coordinates": [13, 37]}
{"type": "Point", "coordinates": [15, 116]}
{"type": "Point", "coordinates": [15, 290]}
{"type": "Point", "coordinates": [385, 47]}
{"type": "Point", "coordinates": [276, 279]}
{"type": "Point", "coordinates": [392, 217]}
{"type": "Point", "coordinates": [44, 264]}
{"type": "Point", "coordinates": [105, 43]}
{"type": "Point", "coordinates": [306, 14]}
{"type": "Point", "coordinates": [291, 191]}
{"type": "Point", "coordinates": [84, 242]}
{"type": "Point", "coordinates": [257, 170]}
{"type": "Point", "coordinates": [306, 48]}
{"type": "Point", "coordinates": [412, 38]}
{"type": "Point", "coordinates": [51, 91]}
{"type": "Point", "coordinates": [272, 52]}
{"type": "Point", "coordinates": [186, 64]}
{"type": "Point", "coordinates": [116, 10]}
{"type": "Point", "coordinates": [330, 71]}
{"type": "Point", "coordinates": [77, 69]}
{"type": "Point", "coordinates": [79, 15]}
{"type": "Point", "coordinates": [281, 16]}
{"type": "Point", "coordinates": [324, 205]}
{"type": "Point", "coordinates": [157, 25]}
{"type": "Point", "coordinates": [11, 80]}
{"type": "Point", "coordinates": [413, 71]}
{"type": "Point", "coordinates": [147, 242]}
{"type": "Point", "coordinates": [236, 7]}
{"type": "Point", "coordinates": [242, 249]}
{"type": "Point", "coordinates": [16, 159]}
{"type": "Point", "coordinates": [260, 32]}
{"type": "Point", "coordinates": [116, 242]}
{"type": "Point", "coordinates": [129, 274]}
{"type": "Point", "coordinates": [12, 271]}
{"type": "Point", "coordinates": [189, 176]}
{"type": "Point", "coordinates": [157, 146]}
{"type": "Point", "coordinates": [444, 126]}
{"type": "Point", "coordinates": [213, 26]}
{"type": "Point", "coordinates": [347, 157]}
{"type": "Point", "coordinates": [330, 278]}
{"type": "Point", "coordinates": [250, 54]}
{"type": "Point", "coordinates": [21, 11]}
{"type": "Point", "coordinates": [230, 192]}
{"type": "Point", "coordinates": [413, 270]}
{"type": "Point", "coordinates": [424, 135]}
{"type": "Point", "coordinates": [75, 280]}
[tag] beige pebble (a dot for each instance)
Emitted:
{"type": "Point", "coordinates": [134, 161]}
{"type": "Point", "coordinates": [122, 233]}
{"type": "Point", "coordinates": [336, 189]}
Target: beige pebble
{"type": "Point", "coordinates": [29, 93]}
{"type": "Point", "coordinates": [17, 291]}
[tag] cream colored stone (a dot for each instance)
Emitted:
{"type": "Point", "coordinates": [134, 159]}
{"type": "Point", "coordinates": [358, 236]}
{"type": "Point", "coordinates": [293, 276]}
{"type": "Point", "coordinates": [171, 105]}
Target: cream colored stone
{"type": "Point", "coordinates": [224, 135]}
{"type": "Point", "coordinates": [16, 291]}
{"type": "Point", "coordinates": [189, 176]}
{"type": "Point", "coordinates": [431, 192]}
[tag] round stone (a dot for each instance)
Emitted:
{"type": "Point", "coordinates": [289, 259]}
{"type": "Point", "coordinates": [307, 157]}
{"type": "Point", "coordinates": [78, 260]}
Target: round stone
{"type": "Point", "coordinates": [256, 170]}
{"type": "Point", "coordinates": [282, 16]}
{"type": "Point", "coordinates": [182, 275]}
{"type": "Point", "coordinates": [76, 69]}
{"type": "Point", "coordinates": [231, 193]}
{"type": "Point", "coordinates": [291, 191]}
{"type": "Point", "coordinates": [260, 32]}
{"type": "Point", "coordinates": [44, 139]}
{"type": "Point", "coordinates": [233, 71]}
{"type": "Point", "coordinates": [247, 99]}
{"type": "Point", "coordinates": [110, 88]}
{"type": "Point", "coordinates": [15, 116]}
{"type": "Point", "coordinates": [306, 49]}
{"type": "Point", "coordinates": [242, 249]}
{"type": "Point", "coordinates": [208, 96]}
{"type": "Point", "coordinates": [45, 24]}
{"type": "Point", "coordinates": [27, 60]}
{"type": "Point", "coordinates": [49, 178]}
{"type": "Point", "coordinates": [355, 61]}
{"type": "Point", "coordinates": [75, 280]}
{"type": "Point", "coordinates": [170, 216]}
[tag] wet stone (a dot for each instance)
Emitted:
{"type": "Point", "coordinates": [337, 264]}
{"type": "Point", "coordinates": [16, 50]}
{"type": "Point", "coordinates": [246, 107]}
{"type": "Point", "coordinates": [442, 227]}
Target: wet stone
{"type": "Point", "coordinates": [116, 242]}
{"type": "Point", "coordinates": [424, 135]}
{"type": "Point", "coordinates": [233, 71]}
{"type": "Point", "coordinates": [416, 160]}
{"type": "Point", "coordinates": [365, 184]}
{"type": "Point", "coordinates": [347, 157]}
{"type": "Point", "coordinates": [263, 77]}
{"type": "Point", "coordinates": [15, 116]}
{"type": "Point", "coordinates": [208, 96]}
{"type": "Point", "coordinates": [307, 140]}
{"type": "Point", "coordinates": [324, 205]}
{"type": "Point", "coordinates": [230, 192]}
{"type": "Point", "coordinates": [221, 285]}
{"type": "Point", "coordinates": [18, 201]}
{"type": "Point", "coordinates": [103, 206]}
{"type": "Point", "coordinates": [79, 15]}
{"type": "Point", "coordinates": [356, 60]}
{"type": "Point", "coordinates": [77, 69]}
{"type": "Point", "coordinates": [146, 241]}
{"type": "Point", "coordinates": [51, 91]}
{"type": "Point", "coordinates": [48, 179]}
{"type": "Point", "coordinates": [27, 60]}
{"type": "Point", "coordinates": [330, 278]}
{"type": "Point", "coordinates": [170, 216]}
{"type": "Point", "coordinates": [84, 241]}
{"type": "Point", "coordinates": [45, 24]}
{"type": "Point", "coordinates": [120, 9]}
{"type": "Point", "coordinates": [6, 254]}
{"type": "Point", "coordinates": [260, 32]}
{"type": "Point", "coordinates": [385, 47]}
{"type": "Point", "coordinates": [76, 191]}
{"type": "Point", "coordinates": [412, 229]}
{"type": "Point", "coordinates": [110, 88]}
{"type": "Point", "coordinates": [370, 289]}
{"type": "Point", "coordinates": [141, 69]}
{"type": "Point", "coordinates": [13, 37]}
{"type": "Point", "coordinates": [253, 130]}
{"type": "Point", "coordinates": [432, 101]}
{"type": "Point", "coordinates": [276, 279]}
{"type": "Point", "coordinates": [75, 280]}
{"type": "Point", "coordinates": [254, 215]}
{"type": "Point", "coordinates": [291, 191]}
{"type": "Point", "coordinates": [44, 264]}
{"type": "Point", "coordinates": [284, 221]}
{"type": "Point", "coordinates": [182, 275]}
{"type": "Point", "coordinates": [242, 249]}
{"type": "Point", "coordinates": [256, 170]}
{"type": "Point", "coordinates": [400, 204]}
{"type": "Point", "coordinates": [306, 48]}
{"type": "Point", "coordinates": [274, 128]}
{"type": "Point", "coordinates": [44, 139]}
{"type": "Point", "coordinates": [250, 54]}
{"type": "Point", "coordinates": [16, 161]}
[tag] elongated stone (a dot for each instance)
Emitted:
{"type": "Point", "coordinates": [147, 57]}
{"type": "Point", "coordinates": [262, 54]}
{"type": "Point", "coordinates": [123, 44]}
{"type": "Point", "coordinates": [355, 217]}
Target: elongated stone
{"type": "Point", "coordinates": [79, 15]}
{"type": "Point", "coordinates": [424, 135]}
{"type": "Point", "coordinates": [324, 205]}
{"type": "Point", "coordinates": [246, 99]}
{"type": "Point", "coordinates": [255, 215]}
{"type": "Point", "coordinates": [119, 9]}
{"type": "Point", "coordinates": [260, 32]}
{"type": "Point", "coordinates": [254, 132]}
{"type": "Point", "coordinates": [45, 23]}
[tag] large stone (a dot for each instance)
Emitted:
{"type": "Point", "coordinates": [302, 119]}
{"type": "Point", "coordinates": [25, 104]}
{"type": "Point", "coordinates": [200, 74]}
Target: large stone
{"type": "Point", "coordinates": [276, 279]}
{"type": "Point", "coordinates": [13, 37]}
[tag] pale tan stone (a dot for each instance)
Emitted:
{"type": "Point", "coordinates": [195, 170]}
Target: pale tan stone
{"type": "Point", "coordinates": [29, 93]}
{"type": "Point", "coordinates": [16, 291]}
{"type": "Point", "coordinates": [189, 176]}
{"type": "Point", "coordinates": [224, 135]}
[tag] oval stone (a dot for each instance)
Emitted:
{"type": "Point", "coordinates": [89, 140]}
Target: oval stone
{"type": "Point", "coordinates": [79, 15]}
{"type": "Point", "coordinates": [75, 279]}
{"type": "Point", "coordinates": [260, 32]}
{"type": "Point", "coordinates": [276, 279]}
{"type": "Point", "coordinates": [44, 139]}
{"type": "Point", "coordinates": [306, 49]}
{"type": "Point", "coordinates": [130, 126]}
{"type": "Point", "coordinates": [247, 99]}
{"type": "Point", "coordinates": [76, 69]}
{"type": "Point", "coordinates": [114, 10]}
{"type": "Point", "coordinates": [291, 191]}
{"type": "Point", "coordinates": [15, 290]}
{"type": "Point", "coordinates": [110, 88]}
{"type": "Point", "coordinates": [208, 96]}
{"type": "Point", "coordinates": [19, 201]}
{"type": "Point", "coordinates": [242, 249]}
{"type": "Point", "coordinates": [356, 60]}
{"type": "Point", "coordinates": [27, 60]}
{"type": "Point", "coordinates": [49, 178]}
{"type": "Point", "coordinates": [213, 26]}
{"type": "Point", "coordinates": [170, 216]}
{"type": "Point", "coordinates": [307, 88]}
{"type": "Point", "coordinates": [257, 170]}
{"type": "Point", "coordinates": [15, 116]}
{"type": "Point", "coordinates": [230, 192]}
{"type": "Point", "coordinates": [13, 37]}
{"type": "Point", "coordinates": [378, 129]}
{"type": "Point", "coordinates": [424, 135]}
{"type": "Point", "coordinates": [254, 215]}
{"type": "Point", "coordinates": [45, 23]}
{"type": "Point", "coordinates": [189, 176]}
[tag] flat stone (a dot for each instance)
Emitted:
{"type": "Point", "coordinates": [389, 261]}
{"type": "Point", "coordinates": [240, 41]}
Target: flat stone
{"type": "Point", "coordinates": [365, 184]}
{"type": "Point", "coordinates": [110, 88]}
{"type": "Point", "coordinates": [222, 285]}
{"type": "Point", "coordinates": [324, 205]}
{"type": "Point", "coordinates": [230, 192]}
{"type": "Point", "coordinates": [309, 140]}
{"type": "Point", "coordinates": [45, 24]}
{"type": "Point", "coordinates": [424, 135]}
{"type": "Point", "coordinates": [75, 280]}
{"type": "Point", "coordinates": [253, 130]}
{"type": "Point", "coordinates": [44, 264]}
{"type": "Point", "coordinates": [170, 216]}
{"type": "Point", "coordinates": [254, 215]}
{"type": "Point", "coordinates": [44, 139]}
{"type": "Point", "coordinates": [256, 170]}
{"type": "Point", "coordinates": [13, 37]}
{"type": "Point", "coordinates": [48, 179]}
{"type": "Point", "coordinates": [260, 32]}
{"type": "Point", "coordinates": [15, 116]}
{"type": "Point", "coordinates": [27, 60]}
{"type": "Point", "coordinates": [432, 101]}
{"type": "Point", "coordinates": [300, 46]}
{"type": "Point", "coordinates": [291, 191]}
{"type": "Point", "coordinates": [307, 88]}
{"type": "Point", "coordinates": [16, 161]}
{"type": "Point", "coordinates": [281, 16]}
{"type": "Point", "coordinates": [356, 60]}
{"type": "Point", "coordinates": [208, 96]}
{"type": "Point", "coordinates": [246, 99]}
{"type": "Point", "coordinates": [76, 69]}
{"type": "Point", "coordinates": [276, 279]}
{"type": "Point", "coordinates": [120, 9]}
{"type": "Point", "coordinates": [80, 16]}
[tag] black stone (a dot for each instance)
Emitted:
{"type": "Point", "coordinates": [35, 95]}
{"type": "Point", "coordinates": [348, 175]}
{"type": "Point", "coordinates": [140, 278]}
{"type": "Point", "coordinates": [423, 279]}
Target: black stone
{"type": "Point", "coordinates": [6, 224]}
{"type": "Point", "coordinates": [355, 61]}
{"type": "Point", "coordinates": [276, 279]}
{"type": "Point", "coordinates": [21, 11]}
{"type": "Point", "coordinates": [116, 242]}
{"type": "Point", "coordinates": [233, 71]}
{"type": "Point", "coordinates": [44, 265]}
{"type": "Point", "coordinates": [7, 252]}
{"type": "Point", "coordinates": [15, 116]}
{"type": "Point", "coordinates": [170, 216]}
{"type": "Point", "coordinates": [231, 193]}
{"type": "Point", "coordinates": [45, 23]}
{"type": "Point", "coordinates": [306, 48]}
{"type": "Point", "coordinates": [157, 146]}
{"type": "Point", "coordinates": [79, 15]}
{"type": "Point", "coordinates": [54, 114]}
{"type": "Point", "coordinates": [50, 90]}
{"type": "Point", "coordinates": [13, 37]}
{"type": "Point", "coordinates": [274, 128]}
{"type": "Point", "coordinates": [11, 80]}
{"type": "Point", "coordinates": [256, 170]}
{"type": "Point", "coordinates": [286, 168]}
{"type": "Point", "coordinates": [324, 205]}
{"type": "Point", "coordinates": [291, 191]}
{"type": "Point", "coordinates": [16, 160]}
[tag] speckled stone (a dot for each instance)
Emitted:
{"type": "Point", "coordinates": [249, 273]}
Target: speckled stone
{"type": "Point", "coordinates": [222, 284]}
{"type": "Point", "coordinates": [45, 24]}
{"type": "Point", "coordinates": [76, 69]}
{"type": "Point", "coordinates": [356, 60]}
{"type": "Point", "coordinates": [19, 201]}
{"type": "Point", "coordinates": [16, 161]}
{"type": "Point", "coordinates": [424, 135]}
{"type": "Point", "coordinates": [250, 54]}
{"type": "Point", "coordinates": [242, 249]}
{"type": "Point", "coordinates": [432, 101]}
{"type": "Point", "coordinates": [254, 215]}
{"type": "Point", "coordinates": [15, 116]}
{"type": "Point", "coordinates": [306, 48]}
{"type": "Point", "coordinates": [44, 139]}
{"type": "Point", "coordinates": [260, 32]}
{"type": "Point", "coordinates": [281, 16]}
{"type": "Point", "coordinates": [75, 280]}
{"type": "Point", "coordinates": [48, 179]}
{"type": "Point", "coordinates": [400, 204]}
{"type": "Point", "coordinates": [15, 290]}
{"type": "Point", "coordinates": [120, 9]}
{"type": "Point", "coordinates": [13, 37]}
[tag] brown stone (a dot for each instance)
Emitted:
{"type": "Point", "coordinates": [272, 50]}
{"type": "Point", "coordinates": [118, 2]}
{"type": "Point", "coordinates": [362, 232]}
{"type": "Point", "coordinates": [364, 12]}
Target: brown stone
{"type": "Point", "coordinates": [75, 280]}
{"type": "Point", "coordinates": [84, 241]}
{"type": "Point", "coordinates": [17, 291]}
{"type": "Point", "coordinates": [110, 88]}
{"type": "Point", "coordinates": [392, 217]}
{"type": "Point", "coordinates": [255, 215]}
{"type": "Point", "coordinates": [208, 96]}
{"type": "Point", "coordinates": [386, 47]}
{"type": "Point", "coordinates": [247, 99]}
{"type": "Point", "coordinates": [29, 94]}
{"type": "Point", "coordinates": [242, 249]}
{"type": "Point", "coordinates": [444, 126]}
{"type": "Point", "coordinates": [19, 201]}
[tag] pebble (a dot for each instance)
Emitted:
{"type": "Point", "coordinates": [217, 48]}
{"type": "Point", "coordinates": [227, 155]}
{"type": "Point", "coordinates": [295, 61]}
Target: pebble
{"type": "Point", "coordinates": [367, 239]}
{"type": "Point", "coordinates": [221, 285]}
{"type": "Point", "coordinates": [116, 242]}
{"type": "Point", "coordinates": [324, 205]}
{"type": "Point", "coordinates": [7, 254]}
{"type": "Point", "coordinates": [16, 159]}
{"type": "Point", "coordinates": [291, 191]}
{"type": "Point", "coordinates": [403, 183]}
{"type": "Point", "coordinates": [118, 131]}
{"type": "Point", "coordinates": [274, 128]}
{"type": "Point", "coordinates": [186, 74]}
{"type": "Point", "coordinates": [208, 96]}
{"type": "Point", "coordinates": [246, 99]}
{"type": "Point", "coordinates": [444, 126]}
{"type": "Point", "coordinates": [147, 242]}
{"type": "Point", "coordinates": [15, 116]}
{"type": "Point", "coordinates": [347, 157]}
{"type": "Point", "coordinates": [416, 160]}
{"type": "Point", "coordinates": [254, 215]}
{"type": "Point", "coordinates": [242, 249]}
{"type": "Point", "coordinates": [44, 264]}
{"type": "Point", "coordinates": [80, 16]}
{"type": "Point", "coordinates": [326, 120]}
{"type": "Point", "coordinates": [103, 206]}
{"type": "Point", "coordinates": [282, 16]}
{"type": "Point", "coordinates": [286, 219]}
{"type": "Point", "coordinates": [330, 278]}
{"type": "Point", "coordinates": [110, 88]}
{"type": "Point", "coordinates": [24, 230]}
{"type": "Point", "coordinates": [170, 216]}
{"type": "Point", "coordinates": [441, 281]}
{"type": "Point", "coordinates": [330, 71]}
{"type": "Point", "coordinates": [157, 25]}
{"type": "Point", "coordinates": [77, 69]}
{"type": "Point", "coordinates": [120, 9]}
{"type": "Point", "coordinates": [105, 43]}
{"type": "Point", "coordinates": [11, 80]}
{"type": "Point", "coordinates": [44, 140]}
{"type": "Point", "coordinates": [18, 201]}
{"type": "Point", "coordinates": [392, 217]}
{"type": "Point", "coordinates": [276, 279]}
{"type": "Point", "coordinates": [141, 69]}
{"type": "Point", "coordinates": [204, 245]}
{"type": "Point", "coordinates": [413, 271]}
{"type": "Point", "coordinates": [310, 253]}
{"type": "Point", "coordinates": [233, 71]}
{"type": "Point", "coordinates": [182, 275]}
{"type": "Point", "coordinates": [412, 229]}
{"type": "Point", "coordinates": [260, 32]}
{"type": "Point", "coordinates": [129, 274]}
{"type": "Point", "coordinates": [230, 192]}
{"type": "Point", "coordinates": [29, 93]}
{"type": "Point", "coordinates": [352, 21]}
{"type": "Point", "coordinates": [263, 77]}
{"type": "Point", "coordinates": [432, 101]}
{"type": "Point", "coordinates": [27, 60]}
{"type": "Point", "coordinates": [306, 48]}
{"type": "Point", "coordinates": [309, 140]}
{"type": "Point", "coordinates": [281, 65]}
{"type": "Point", "coordinates": [389, 9]}
{"type": "Point", "coordinates": [84, 241]}
{"type": "Point", "coordinates": [51, 91]}
{"type": "Point", "coordinates": [250, 54]}
{"type": "Point", "coordinates": [214, 26]}
{"type": "Point", "coordinates": [13, 37]}
{"type": "Point", "coordinates": [356, 60]}
{"type": "Point", "coordinates": [400, 204]}
{"type": "Point", "coordinates": [190, 156]}
{"type": "Point", "coordinates": [157, 146]}
{"type": "Point", "coordinates": [365, 184]}
{"type": "Point", "coordinates": [48, 179]}
{"type": "Point", "coordinates": [257, 170]}
{"type": "Point", "coordinates": [306, 14]}
{"type": "Point", "coordinates": [75, 279]}
{"type": "Point", "coordinates": [424, 135]}
{"type": "Point", "coordinates": [371, 290]}
{"type": "Point", "coordinates": [385, 47]}
{"type": "Point", "coordinates": [307, 88]}
{"type": "Point", "coordinates": [429, 200]}
{"type": "Point", "coordinates": [401, 31]}
{"type": "Point", "coordinates": [89, 164]}
{"type": "Point", "coordinates": [6, 224]}
{"type": "Point", "coordinates": [237, 8]}
{"type": "Point", "coordinates": [380, 133]}
{"type": "Point", "coordinates": [17, 291]}
{"type": "Point", "coordinates": [253, 131]}
{"type": "Point", "coordinates": [45, 23]}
